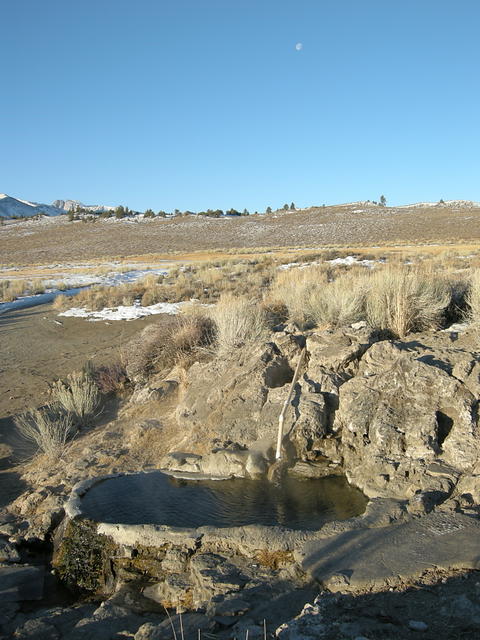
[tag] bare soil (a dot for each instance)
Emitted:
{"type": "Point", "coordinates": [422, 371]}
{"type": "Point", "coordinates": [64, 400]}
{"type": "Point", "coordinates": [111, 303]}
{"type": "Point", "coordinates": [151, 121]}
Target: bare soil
{"type": "Point", "coordinates": [37, 347]}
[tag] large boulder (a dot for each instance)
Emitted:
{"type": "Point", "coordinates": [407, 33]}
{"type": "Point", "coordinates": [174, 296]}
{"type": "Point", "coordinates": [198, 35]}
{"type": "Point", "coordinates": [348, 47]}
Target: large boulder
{"type": "Point", "coordinates": [399, 414]}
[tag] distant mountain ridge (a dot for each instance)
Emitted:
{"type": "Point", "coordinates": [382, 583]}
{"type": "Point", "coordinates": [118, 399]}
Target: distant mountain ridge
{"type": "Point", "coordinates": [15, 207]}
{"type": "Point", "coordinates": [72, 205]}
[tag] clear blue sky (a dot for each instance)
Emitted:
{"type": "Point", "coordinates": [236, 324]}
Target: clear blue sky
{"type": "Point", "coordinates": [208, 103]}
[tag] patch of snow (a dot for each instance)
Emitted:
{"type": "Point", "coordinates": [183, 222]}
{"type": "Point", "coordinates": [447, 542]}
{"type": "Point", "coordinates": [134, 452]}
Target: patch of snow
{"type": "Point", "coordinates": [113, 279]}
{"type": "Point", "coordinates": [469, 204]}
{"type": "Point", "coordinates": [358, 203]}
{"type": "Point", "coordinates": [351, 260]}
{"type": "Point", "coordinates": [457, 327]}
{"type": "Point", "coordinates": [132, 312]}
{"type": "Point", "coordinates": [348, 261]}
{"type": "Point", "coordinates": [416, 205]}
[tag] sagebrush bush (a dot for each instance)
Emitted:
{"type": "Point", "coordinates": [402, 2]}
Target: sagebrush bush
{"type": "Point", "coordinates": [239, 322]}
{"type": "Point", "coordinates": [401, 300]}
{"type": "Point", "coordinates": [473, 297]}
{"type": "Point", "coordinates": [337, 303]}
{"type": "Point", "coordinates": [49, 429]}
{"type": "Point", "coordinates": [171, 341]}
{"type": "Point", "coordinates": [78, 395]}
{"type": "Point", "coordinates": [295, 287]}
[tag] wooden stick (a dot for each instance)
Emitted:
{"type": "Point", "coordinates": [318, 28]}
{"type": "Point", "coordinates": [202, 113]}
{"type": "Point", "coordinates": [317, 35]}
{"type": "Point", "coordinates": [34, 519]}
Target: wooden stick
{"type": "Point", "coordinates": [281, 417]}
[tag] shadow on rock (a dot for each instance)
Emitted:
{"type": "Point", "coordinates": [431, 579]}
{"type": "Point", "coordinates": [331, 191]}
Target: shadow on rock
{"type": "Point", "coordinates": [11, 487]}
{"type": "Point", "coordinates": [438, 608]}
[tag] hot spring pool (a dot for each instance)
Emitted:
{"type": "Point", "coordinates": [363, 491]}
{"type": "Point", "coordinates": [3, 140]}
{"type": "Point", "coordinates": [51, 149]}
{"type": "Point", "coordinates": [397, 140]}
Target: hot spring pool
{"type": "Point", "coordinates": [157, 498]}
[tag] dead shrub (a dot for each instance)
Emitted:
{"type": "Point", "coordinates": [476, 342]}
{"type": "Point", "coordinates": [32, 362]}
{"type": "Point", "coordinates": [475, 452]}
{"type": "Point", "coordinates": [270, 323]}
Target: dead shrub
{"type": "Point", "coordinates": [49, 429]}
{"type": "Point", "coordinates": [161, 346]}
{"type": "Point", "coordinates": [110, 378]}
{"type": "Point", "coordinates": [276, 312]}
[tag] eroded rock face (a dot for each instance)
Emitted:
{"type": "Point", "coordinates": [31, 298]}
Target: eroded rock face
{"type": "Point", "coordinates": [231, 400]}
{"type": "Point", "coordinates": [398, 415]}
{"type": "Point", "coordinates": [237, 403]}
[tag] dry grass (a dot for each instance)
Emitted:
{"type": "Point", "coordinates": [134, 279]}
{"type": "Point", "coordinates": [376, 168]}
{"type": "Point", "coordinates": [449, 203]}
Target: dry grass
{"type": "Point", "coordinates": [397, 298]}
{"type": "Point", "coordinates": [324, 294]}
{"type": "Point", "coordinates": [172, 341]}
{"type": "Point", "coordinates": [295, 287]}
{"type": "Point", "coordinates": [204, 282]}
{"type": "Point", "coordinates": [321, 295]}
{"type": "Point", "coordinates": [473, 298]}
{"type": "Point", "coordinates": [10, 290]}
{"type": "Point", "coordinates": [49, 429]}
{"type": "Point", "coordinates": [401, 300]}
{"type": "Point", "coordinates": [239, 322]}
{"type": "Point", "coordinates": [77, 395]}
{"type": "Point", "coordinates": [337, 303]}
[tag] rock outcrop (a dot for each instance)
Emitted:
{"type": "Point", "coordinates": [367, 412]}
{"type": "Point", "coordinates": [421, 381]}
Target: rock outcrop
{"type": "Point", "coordinates": [399, 418]}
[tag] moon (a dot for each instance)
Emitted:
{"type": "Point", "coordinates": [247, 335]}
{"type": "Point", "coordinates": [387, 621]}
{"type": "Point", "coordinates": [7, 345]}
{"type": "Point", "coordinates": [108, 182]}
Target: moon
{"type": "Point", "coordinates": [299, 46]}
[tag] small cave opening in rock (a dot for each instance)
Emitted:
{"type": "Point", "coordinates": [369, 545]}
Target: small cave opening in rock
{"type": "Point", "coordinates": [444, 426]}
{"type": "Point", "coordinates": [159, 499]}
{"type": "Point", "coordinates": [278, 373]}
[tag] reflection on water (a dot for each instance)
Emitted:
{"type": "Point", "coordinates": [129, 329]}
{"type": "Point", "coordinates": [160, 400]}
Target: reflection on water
{"type": "Point", "coordinates": [155, 498]}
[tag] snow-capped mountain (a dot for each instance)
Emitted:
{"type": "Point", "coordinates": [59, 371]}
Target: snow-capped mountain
{"type": "Point", "coordinates": [69, 205]}
{"type": "Point", "coordinates": [13, 207]}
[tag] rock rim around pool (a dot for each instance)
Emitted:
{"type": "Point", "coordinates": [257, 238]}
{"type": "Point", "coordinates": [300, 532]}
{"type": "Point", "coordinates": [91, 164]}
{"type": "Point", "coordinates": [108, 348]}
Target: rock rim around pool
{"type": "Point", "coordinates": [241, 510]}
{"type": "Point", "coordinates": [188, 568]}
{"type": "Point", "coordinates": [209, 568]}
